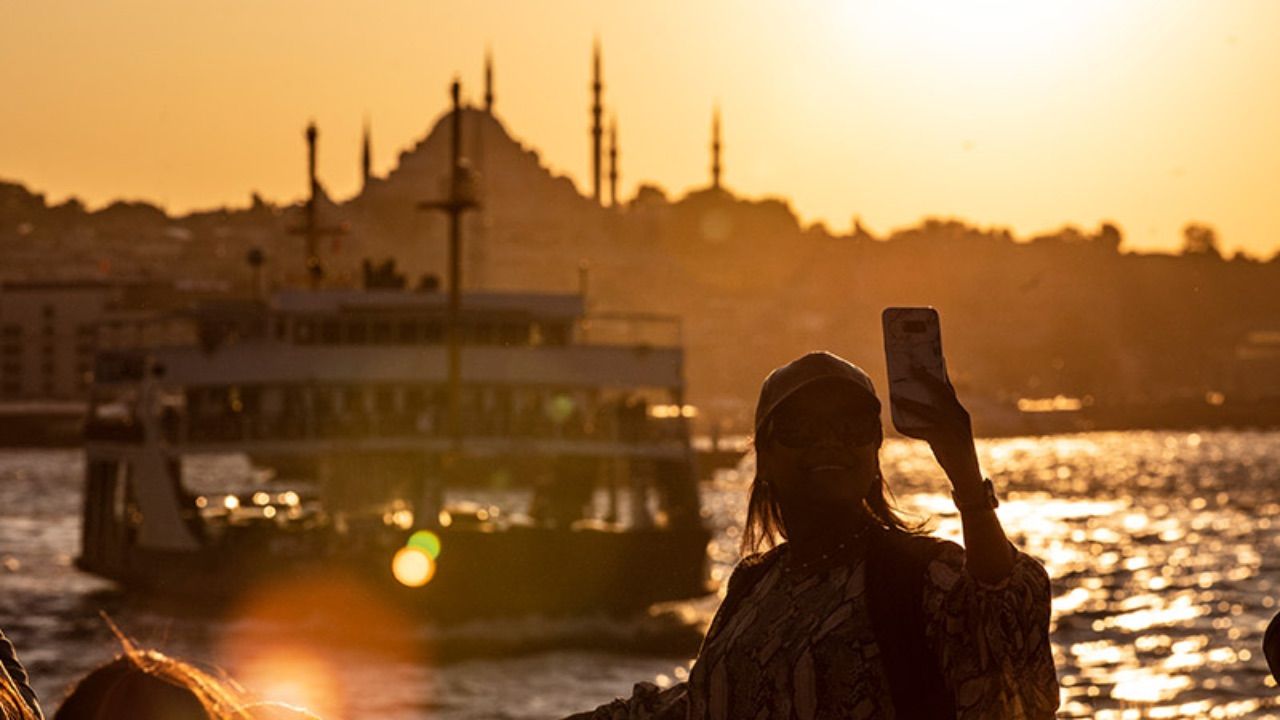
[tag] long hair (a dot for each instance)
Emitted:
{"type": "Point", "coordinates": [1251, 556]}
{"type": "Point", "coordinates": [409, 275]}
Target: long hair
{"type": "Point", "coordinates": [765, 525]}
{"type": "Point", "coordinates": [149, 685]}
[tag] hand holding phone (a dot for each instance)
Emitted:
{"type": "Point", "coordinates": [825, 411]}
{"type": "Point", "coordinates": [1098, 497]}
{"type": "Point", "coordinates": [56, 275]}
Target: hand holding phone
{"type": "Point", "coordinates": [923, 402]}
{"type": "Point", "coordinates": [913, 357]}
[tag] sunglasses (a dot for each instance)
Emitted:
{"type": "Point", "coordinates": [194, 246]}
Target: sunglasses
{"type": "Point", "coordinates": [802, 433]}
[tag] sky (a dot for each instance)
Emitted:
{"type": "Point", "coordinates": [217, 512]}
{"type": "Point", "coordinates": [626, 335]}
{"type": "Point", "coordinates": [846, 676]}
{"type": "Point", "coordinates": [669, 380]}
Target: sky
{"type": "Point", "coordinates": [1007, 113]}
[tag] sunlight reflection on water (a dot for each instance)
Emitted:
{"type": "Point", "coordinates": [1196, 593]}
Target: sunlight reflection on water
{"type": "Point", "coordinates": [1155, 543]}
{"type": "Point", "coordinates": [1161, 547]}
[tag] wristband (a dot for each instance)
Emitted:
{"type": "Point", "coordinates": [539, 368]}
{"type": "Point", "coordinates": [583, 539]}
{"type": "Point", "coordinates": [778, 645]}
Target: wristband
{"type": "Point", "coordinates": [988, 501]}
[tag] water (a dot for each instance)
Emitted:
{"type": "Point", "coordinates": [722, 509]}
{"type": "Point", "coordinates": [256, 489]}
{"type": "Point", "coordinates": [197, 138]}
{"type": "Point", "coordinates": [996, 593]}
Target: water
{"type": "Point", "coordinates": [1162, 548]}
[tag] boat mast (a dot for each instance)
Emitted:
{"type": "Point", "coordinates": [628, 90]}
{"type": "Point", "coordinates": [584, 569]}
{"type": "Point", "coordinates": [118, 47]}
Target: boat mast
{"type": "Point", "coordinates": [461, 198]}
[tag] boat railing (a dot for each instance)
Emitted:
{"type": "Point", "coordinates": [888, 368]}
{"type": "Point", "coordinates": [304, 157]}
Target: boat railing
{"type": "Point", "coordinates": [630, 329]}
{"type": "Point", "coordinates": [231, 426]}
{"type": "Point", "coordinates": [234, 415]}
{"type": "Point", "coordinates": [611, 329]}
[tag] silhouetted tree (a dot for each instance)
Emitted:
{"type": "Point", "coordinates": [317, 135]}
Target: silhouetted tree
{"type": "Point", "coordinates": [383, 276]}
{"type": "Point", "coordinates": [860, 232]}
{"type": "Point", "coordinates": [649, 194]}
{"type": "Point", "coordinates": [1200, 239]}
{"type": "Point", "coordinates": [1109, 237]}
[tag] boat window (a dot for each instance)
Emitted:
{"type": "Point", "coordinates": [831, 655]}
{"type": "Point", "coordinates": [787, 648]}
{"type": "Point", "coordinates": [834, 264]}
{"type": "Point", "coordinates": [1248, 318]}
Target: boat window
{"type": "Point", "coordinates": [272, 401]}
{"type": "Point", "coordinates": [326, 402]}
{"type": "Point", "coordinates": [555, 334]}
{"type": "Point", "coordinates": [331, 332]}
{"type": "Point", "coordinates": [353, 399]}
{"type": "Point", "coordinates": [304, 332]}
{"type": "Point", "coordinates": [408, 332]}
{"type": "Point", "coordinates": [357, 332]}
{"type": "Point", "coordinates": [433, 332]}
{"type": "Point", "coordinates": [482, 333]}
{"type": "Point", "coordinates": [381, 332]}
{"type": "Point", "coordinates": [414, 397]}
{"type": "Point", "coordinates": [515, 334]}
{"type": "Point", "coordinates": [384, 399]}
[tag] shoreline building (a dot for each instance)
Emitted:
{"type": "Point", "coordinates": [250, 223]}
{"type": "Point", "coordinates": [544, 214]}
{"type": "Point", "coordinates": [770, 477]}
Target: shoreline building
{"type": "Point", "coordinates": [50, 330]}
{"type": "Point", "coordinates": [47, 336]}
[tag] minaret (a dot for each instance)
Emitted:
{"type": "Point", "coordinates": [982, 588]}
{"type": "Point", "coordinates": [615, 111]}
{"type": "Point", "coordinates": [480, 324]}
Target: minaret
{"type": "Point", "coordinates": [597, 130]}
{"type": "Point", "coordinates": [715, 148]}
{"type": "Point", "coordinates": [613, 161]}
{"type": "Point", "coordinates": [314, 270]}
{"type": "Point", "coordinates": [311, 230]}
{"type": "Point", "coordinates": [366, 155]}
{"type": "Point", "coordinates": [488, 81]}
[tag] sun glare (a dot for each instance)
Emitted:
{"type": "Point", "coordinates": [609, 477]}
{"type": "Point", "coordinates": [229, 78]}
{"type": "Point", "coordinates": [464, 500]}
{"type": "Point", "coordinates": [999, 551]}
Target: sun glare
{"type": "Point", "coordinates": [968, 35]}
{"type": "Point", "coordinates": [295, 676]}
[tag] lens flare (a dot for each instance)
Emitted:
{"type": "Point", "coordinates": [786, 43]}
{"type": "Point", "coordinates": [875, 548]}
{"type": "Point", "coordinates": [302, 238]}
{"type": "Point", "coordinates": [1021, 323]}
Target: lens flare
{"type": "Point", "coordinates": [413, 567]}
{"type": "Point", "coordinates": [294, 675]}
{"type": "Point", "coordinates": [291, 638]}
{"type": "Point", "coordinates": [426, 541]}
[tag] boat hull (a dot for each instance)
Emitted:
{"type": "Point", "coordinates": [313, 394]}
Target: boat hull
{"type": "Point", "coordinates": [517, 571]}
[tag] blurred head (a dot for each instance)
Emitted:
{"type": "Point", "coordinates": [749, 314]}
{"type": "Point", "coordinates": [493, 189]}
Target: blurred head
{"type": "Point", "coordinates": [817, 441]}
{"type": "Point", "coordinates": [149, 685]}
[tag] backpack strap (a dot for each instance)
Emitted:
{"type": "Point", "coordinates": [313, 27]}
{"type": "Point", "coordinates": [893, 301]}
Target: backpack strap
{"type": "Point", "coordinates": [896, 566]}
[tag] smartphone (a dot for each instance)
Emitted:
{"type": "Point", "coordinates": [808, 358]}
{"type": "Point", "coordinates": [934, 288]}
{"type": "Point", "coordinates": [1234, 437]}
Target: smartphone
{"type": "Point", "coordinates": [912, 343]}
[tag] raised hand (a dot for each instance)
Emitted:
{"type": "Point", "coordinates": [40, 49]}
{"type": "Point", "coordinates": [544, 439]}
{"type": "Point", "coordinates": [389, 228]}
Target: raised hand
{"type": "Point", "coordinates": [949, 433]}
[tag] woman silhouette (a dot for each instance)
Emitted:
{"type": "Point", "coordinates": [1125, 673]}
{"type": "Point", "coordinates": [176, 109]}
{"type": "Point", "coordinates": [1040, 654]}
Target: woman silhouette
{"type": "Point", "coordinates": [857, 615]}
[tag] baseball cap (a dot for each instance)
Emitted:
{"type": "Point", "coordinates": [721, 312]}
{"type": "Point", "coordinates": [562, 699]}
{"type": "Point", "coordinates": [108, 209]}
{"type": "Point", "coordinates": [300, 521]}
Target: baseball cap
{"type": "Point", "coordinates": [785, 381]}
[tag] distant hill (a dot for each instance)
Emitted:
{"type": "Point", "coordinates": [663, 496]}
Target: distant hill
{"type": "Point", "coordinates": [1066, 313]}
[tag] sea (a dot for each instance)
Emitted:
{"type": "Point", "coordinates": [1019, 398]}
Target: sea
{"type": "Point", "coordinates": [1163, 548]}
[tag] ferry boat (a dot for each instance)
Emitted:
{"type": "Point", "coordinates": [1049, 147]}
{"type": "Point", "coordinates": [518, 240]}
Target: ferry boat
{"type": "Point", "coordinates": [566, 484]}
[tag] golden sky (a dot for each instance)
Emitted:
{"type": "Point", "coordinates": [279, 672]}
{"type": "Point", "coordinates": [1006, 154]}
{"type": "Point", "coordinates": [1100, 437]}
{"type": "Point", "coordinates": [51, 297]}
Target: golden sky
{"type": "Point", "coordinates": [1020, 113]}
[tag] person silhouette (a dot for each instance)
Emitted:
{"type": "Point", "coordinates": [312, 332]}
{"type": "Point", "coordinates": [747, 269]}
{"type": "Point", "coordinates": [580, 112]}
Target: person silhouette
{"type": "Point", "coordinates": [1271, 646]}
{"type": "Point", "coordinates": [858, 614]}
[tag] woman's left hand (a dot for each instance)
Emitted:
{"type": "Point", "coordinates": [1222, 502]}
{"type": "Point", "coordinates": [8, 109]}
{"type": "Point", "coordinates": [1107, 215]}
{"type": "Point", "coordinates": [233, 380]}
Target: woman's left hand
{"type": "Point", "coordinates": [949, 432]}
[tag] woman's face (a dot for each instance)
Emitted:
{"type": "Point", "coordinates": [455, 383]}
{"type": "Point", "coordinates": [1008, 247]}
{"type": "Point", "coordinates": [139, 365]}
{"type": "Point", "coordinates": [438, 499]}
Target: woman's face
{"type": "Point", "coordinates": [820, 448]}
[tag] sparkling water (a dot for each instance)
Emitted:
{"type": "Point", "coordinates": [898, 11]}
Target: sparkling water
{"type": "Point", "coordinates": [1163, 549]}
